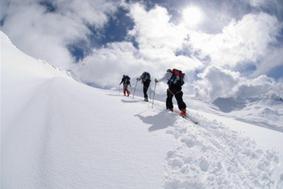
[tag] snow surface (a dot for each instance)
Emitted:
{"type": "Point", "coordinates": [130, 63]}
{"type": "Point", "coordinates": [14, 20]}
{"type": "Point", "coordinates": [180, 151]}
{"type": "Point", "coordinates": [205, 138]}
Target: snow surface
{"type": "Point", "coordinates": [59, 133]}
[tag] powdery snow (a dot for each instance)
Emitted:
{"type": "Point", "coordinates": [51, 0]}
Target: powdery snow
{"type": "Point", "coordinates": [59, 133]}
{"type": "Point", "coordinates": [214, 155]}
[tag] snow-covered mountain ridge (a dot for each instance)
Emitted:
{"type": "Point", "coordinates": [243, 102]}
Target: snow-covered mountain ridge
{"type": "Point", "coordinates": [59, 133]}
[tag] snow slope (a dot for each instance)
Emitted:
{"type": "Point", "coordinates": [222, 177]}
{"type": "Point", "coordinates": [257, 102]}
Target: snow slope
{"type": "Point", "coordinates": [59, 133]}
{"type": "Point", "coordinates": [263, 111]}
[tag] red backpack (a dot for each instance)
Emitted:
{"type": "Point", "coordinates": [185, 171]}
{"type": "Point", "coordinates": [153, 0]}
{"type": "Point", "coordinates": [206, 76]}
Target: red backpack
{"type": "Point", "coordinates": [177, 78]}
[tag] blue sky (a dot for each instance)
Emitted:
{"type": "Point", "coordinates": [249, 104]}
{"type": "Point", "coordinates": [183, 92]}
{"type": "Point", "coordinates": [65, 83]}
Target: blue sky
{"type": "Point", "coordinates": [240, 39]}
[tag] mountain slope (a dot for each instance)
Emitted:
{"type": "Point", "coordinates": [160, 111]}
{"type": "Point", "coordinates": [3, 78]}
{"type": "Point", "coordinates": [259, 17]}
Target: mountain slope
{"type": "Point", "coordinates": [58, 133]}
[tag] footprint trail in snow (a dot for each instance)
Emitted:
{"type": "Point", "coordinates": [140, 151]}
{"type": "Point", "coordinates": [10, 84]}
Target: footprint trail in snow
{"type": "Point", "coordinates": [210, 155]}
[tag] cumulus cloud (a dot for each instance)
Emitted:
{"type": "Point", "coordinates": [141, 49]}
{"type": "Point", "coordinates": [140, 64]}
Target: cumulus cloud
{"type": "Point", "coordinates": [156, 35]}
{"type": "Point", "coordinates": [156, 50]}
{"type": "Point", "coordinates": [45, 34]}
{"type": "Point", "coordinates": [248, 39]}
{"type": "Point", "coordinates": [160, 39]}
{"type": "Point", "coordinates": [216, 82]}
{"type": "Point", "coordinates": [245, 40]}
{"type": "Point", "coordinates": [110, 62]}
{"type": "Point", "coordinates": [104, 66]}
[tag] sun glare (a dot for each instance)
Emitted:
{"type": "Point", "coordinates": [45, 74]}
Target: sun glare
{"type": "Point", "coordinates": [192, 16]}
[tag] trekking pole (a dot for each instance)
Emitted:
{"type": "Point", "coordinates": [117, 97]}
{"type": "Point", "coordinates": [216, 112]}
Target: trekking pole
{"type": "Point", "coordinates": [153, 94]}
{"type": "Point", "coordinates": [150, 91]}
{"type": "Point", "coordinates": [135, 88]}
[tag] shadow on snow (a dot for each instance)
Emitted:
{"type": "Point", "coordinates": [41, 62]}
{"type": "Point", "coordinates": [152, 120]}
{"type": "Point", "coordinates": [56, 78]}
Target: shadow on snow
{"type": "Point", "coordinates": [159, 121]}
{"type": "Point", "coordinates": [131, 101]}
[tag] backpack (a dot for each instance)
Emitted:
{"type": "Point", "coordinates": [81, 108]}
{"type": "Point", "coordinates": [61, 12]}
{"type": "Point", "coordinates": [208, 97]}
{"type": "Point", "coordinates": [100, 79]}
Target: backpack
{"type": "Point", "coordinates": [177, 78]}
{"type": "Point", "coordinates": [145, 76]}
{"type": "Point", "coordinates": [127, 80]}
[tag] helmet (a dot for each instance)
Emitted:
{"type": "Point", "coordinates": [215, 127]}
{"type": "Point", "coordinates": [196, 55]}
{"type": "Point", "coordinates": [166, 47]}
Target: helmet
{"type": "Point", "coordinates": [168, 70]}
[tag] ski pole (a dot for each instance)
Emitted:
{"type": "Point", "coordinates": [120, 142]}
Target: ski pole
{"type": "Point", "coordinates": [150, 91]}
{"type": "Point", "coordinates": [153, 94]}
{"type": "Point", "coordinates": [135, 88]}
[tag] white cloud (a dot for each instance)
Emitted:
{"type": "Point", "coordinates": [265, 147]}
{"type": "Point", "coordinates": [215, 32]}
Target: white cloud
{"type": "Point", "coordinates": [159, 39]}
{"type": "Point", "coordinates": [93, 12]}
{"type": "Point", "coordinates": [245, 40]}
{"type": "Point", "coordinates": [216, 82]}
{"type": "Point", "coordinates": [45, 35]}
{"type": "Point", "coordinates": [156, 35]}
{"type": "Point", "coordinates": [156, 52]}
{"type": "Point", "coordinates": [105, 66]}
{"type": "Point", "coordinates": [192, 16]}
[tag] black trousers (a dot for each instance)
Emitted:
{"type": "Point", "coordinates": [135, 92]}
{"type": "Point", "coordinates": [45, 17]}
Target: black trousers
{"type": "Point", "coordinates": [177, 92]}
{"type": "Point", "coordinates": [145, 88]}
{"type": "Point", "coordinates": [126, 90]}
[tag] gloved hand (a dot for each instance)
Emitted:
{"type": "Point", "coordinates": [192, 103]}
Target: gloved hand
{"type": "Point", "coordinates": [155, 80]}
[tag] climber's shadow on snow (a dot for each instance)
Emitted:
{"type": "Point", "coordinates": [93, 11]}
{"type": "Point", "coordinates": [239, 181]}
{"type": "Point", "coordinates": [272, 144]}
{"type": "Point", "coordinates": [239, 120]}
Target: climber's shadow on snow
{"type": "Point", "coordinates": [159, 121]}
{"type": "Point", "coordinates": [119, 95]}
{"type": "Point", "coordinates": [130, 101]}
